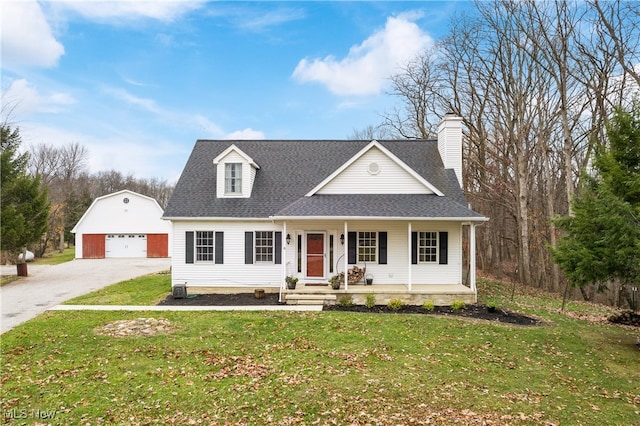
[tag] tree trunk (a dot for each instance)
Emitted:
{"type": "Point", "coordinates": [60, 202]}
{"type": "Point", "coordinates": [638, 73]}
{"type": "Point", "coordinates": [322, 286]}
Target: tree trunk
{"type": "Point", "coordinates": [523, 223]}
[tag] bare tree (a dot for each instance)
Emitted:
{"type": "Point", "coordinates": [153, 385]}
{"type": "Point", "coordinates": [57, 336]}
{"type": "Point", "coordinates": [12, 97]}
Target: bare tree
{"type": "Point", "coordinates": [372, 132]}
{"type": "Point", "coordinates": [534, 87]}
{"type": "Point", "coordinates": [621, 21]}
{"type": "Point", "coordinates": [420, 85]}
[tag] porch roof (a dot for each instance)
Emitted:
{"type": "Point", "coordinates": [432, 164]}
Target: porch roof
{"type": "Point", "coordinates": [415, 206]}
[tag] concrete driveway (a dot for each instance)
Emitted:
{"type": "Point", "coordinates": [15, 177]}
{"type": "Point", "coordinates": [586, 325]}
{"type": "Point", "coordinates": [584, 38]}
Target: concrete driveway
{"type": "Point", "coordinates": [50, 285]}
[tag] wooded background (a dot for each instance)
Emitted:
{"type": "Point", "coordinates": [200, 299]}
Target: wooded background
{"type": "Point", "coordinates": [536, 83]}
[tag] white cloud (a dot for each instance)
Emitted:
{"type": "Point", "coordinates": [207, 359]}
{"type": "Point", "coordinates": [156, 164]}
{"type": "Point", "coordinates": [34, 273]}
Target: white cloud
{"type": "Point", "coordinates": [262, 21]}
{"type": "Point", "coordinates": [211, 130]}
{"type": "Point", "coordinates": [25, 99]}
{"type": "Point", "coordinates": [27, 39]}
{"type": "Point", "coordinates": [118, 10]}
{"type": "Point", "coordinates": [247, 134]}
{"type": "Point", "coordinates": [144, 103]}
{"type": "Point", "coordinates": [367, 67]}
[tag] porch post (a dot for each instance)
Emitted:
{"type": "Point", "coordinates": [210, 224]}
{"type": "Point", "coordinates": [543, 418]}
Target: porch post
{"type": "Point", "coordinates": [283, 244]}
{"type": "Point", "coordinates": [346, 256]}
{"type": "Point", "coordinates": [472, 256]}
{"type": "Point", "coordinates": [409, 266]}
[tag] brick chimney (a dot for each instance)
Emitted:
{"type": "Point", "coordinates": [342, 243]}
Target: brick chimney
{"type": "Point", "coordinates": [450, 143]}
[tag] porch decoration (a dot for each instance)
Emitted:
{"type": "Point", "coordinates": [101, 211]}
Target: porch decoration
{"type": "Point", "coordinates": [354, 275]}
{"type": "Point", "coordinates": [368, 279]}
{"type": "Point", "coordinates": [336, 280]}
{"type": "Point", "coordinates": [291, 282]}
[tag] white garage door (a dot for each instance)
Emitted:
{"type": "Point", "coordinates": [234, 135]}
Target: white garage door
{"type": "Point", "coordinates": [126, 245]}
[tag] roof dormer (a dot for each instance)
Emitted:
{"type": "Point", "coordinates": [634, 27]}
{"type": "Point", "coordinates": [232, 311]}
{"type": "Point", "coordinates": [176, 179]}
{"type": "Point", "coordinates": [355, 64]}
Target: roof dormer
{"type": "Point", "coordinates": [235, 173]}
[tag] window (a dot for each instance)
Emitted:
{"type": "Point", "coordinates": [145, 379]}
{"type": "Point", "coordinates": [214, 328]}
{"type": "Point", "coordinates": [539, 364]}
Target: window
{"type": "Point", "coordinates": [427, 246]}
{"type": "Point", "coordinates": [204, 246]}
{"type": "Point", "coordinates": [233, 178]}
{"type": "Point", "coordinates": [264, 246]}
{"type": "Point", "coordinates": [367, 246]}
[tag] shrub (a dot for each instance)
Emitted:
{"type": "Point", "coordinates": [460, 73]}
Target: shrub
{"type": "Point", "coordinates": [458, 304]}
{"type": "Point", "coordinates": [345, 301]}
{"type": "Point", "coordinates": [428, 305]}
{"type": "Point", "coordinates": [395, 304]}
{"type": "Point", "coordinates": [371, 300]}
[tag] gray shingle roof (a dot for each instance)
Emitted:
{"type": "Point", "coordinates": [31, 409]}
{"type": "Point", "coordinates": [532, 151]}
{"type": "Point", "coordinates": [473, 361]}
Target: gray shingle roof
{"type": "Point", "coordinates": [291, 168]}
{"type": "Point", "coordinates": [379, 205]}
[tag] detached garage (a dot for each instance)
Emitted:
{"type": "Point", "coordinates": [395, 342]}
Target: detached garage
{"type": "Point", "coordinates": [122, 224]}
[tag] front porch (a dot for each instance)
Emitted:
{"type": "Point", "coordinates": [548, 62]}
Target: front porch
{"type": "Point", "coordinates": [439, 294]}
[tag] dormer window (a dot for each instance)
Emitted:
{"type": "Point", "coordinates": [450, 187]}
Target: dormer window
{"type": "Point", "coordinates": [235, 173]}
{"type": "Point", "coordinates": [233, 178]}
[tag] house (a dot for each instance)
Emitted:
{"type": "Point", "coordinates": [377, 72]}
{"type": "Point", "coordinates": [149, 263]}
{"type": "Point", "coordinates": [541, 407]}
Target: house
{"type": "Point", "coordinates": [247, 214]}
{"type": "Point", "coordinates": [122, 224]}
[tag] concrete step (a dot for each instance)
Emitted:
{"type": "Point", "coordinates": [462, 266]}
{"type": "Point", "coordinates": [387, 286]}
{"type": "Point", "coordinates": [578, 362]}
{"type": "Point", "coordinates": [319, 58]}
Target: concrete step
{"type": "Point", "coordinates": [309, 299]}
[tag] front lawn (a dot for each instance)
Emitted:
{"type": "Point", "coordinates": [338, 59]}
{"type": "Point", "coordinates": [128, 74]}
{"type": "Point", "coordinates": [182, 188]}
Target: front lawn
{"type": "Point", "coordinates": [321, 368]}
{"type": "Point", "coordinates": [146, 290]}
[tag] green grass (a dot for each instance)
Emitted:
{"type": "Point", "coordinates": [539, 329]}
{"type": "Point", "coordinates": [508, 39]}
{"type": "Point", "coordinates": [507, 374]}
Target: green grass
{"type": "Point", "coordinates": [6, 279]}
{"type": "Point", "coordinates": [324, 367]}
{"type": "Point", "coordinates": [146, 290]}
{"type": "Point", "coordinates": [55, 257]}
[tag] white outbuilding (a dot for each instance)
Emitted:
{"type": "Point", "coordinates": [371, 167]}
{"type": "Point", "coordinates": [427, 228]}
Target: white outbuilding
{"type": "Point", "coordinates": [122, 224]}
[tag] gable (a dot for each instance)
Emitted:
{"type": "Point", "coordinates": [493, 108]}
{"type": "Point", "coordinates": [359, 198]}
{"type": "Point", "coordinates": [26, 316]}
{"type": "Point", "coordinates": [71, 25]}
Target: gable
{"type": "Point", "coordinates": [123, 212]}
{"type": "Point", "coordinates": [375, 170]}
{"type": "Point", "coordinates": [244, 173]}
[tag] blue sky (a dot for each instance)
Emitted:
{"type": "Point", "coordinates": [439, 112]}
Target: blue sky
{"type": "Point", "coordinates": [138, 82]}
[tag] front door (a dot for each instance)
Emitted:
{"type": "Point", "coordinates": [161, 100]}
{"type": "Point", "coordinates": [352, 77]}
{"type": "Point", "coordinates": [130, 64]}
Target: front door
{"type": "Point", "coordinates": [315, 255]}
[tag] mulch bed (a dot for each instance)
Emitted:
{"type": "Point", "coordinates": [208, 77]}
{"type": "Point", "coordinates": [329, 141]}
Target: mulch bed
{"type": "Point", "coordinates": [247, 299]}
{"type": "Point", "coordinates": [469, 311]}
{"type": "Point", "coordinates": [241, 299]}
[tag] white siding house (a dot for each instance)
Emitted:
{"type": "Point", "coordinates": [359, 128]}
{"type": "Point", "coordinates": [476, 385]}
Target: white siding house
{"type": "Point", "coordinates": [247, 214]}
{"type": "Point", "coordinates": [123, 224]}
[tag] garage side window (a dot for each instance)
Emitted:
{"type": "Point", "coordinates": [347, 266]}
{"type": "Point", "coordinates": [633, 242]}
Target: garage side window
{"type": "Point", "coordinates": [204, 246]}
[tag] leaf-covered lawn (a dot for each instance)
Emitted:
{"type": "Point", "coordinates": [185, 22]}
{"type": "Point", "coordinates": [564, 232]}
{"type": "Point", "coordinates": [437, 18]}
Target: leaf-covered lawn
{"type": "Point", "coordinates": [320, 368]}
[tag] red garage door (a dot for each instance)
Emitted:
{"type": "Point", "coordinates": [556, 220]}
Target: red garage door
{"type": "Point", "coordinates": [93, 246]}
{"type": "Point", "coordinates": [157, 245]}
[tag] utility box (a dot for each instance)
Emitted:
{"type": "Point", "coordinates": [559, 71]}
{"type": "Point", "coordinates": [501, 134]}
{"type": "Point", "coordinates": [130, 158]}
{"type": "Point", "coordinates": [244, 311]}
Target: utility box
{"type": "Point", "coordinates": [179, 291]}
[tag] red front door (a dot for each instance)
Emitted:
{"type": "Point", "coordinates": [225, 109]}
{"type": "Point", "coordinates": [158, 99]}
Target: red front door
{"type": "Point", "coordinates": [315, 255]}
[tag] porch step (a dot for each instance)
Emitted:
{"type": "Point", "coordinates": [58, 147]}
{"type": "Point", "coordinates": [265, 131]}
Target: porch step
{"type": "Point", "coordinates": [309, 299]}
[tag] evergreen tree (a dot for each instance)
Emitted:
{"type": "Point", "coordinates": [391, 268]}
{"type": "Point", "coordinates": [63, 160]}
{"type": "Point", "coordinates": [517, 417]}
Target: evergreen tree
{"type": "Point", "coordinates": [24, 206]}
{"type": "Point", "coordinates": [602, 240]}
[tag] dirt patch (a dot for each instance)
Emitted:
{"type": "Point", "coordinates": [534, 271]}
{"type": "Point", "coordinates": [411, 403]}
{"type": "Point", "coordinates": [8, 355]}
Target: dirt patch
{"type": "Point", "coordinates": [135, 327]}
{"type": "Point", "coordinates": [248, 299]}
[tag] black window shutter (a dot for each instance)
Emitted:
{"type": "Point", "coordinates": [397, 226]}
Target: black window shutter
{"type": "Point", "coordinates": [188, 247]}
{"type": "Point", "coordinates": [352, 248]}
{"type": "Point", "coordinates": [219, 247]}
{"type": "Point", "coordinates": [248, 248]}
{"type": "Point", "coordinates": [382, 243]}
{"type": "Point", "coordinates": [444, 248]}
{"type": "Point", "coordinates": [277, 247]}
{"type": "Point", "coordinates": [414, 248]}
